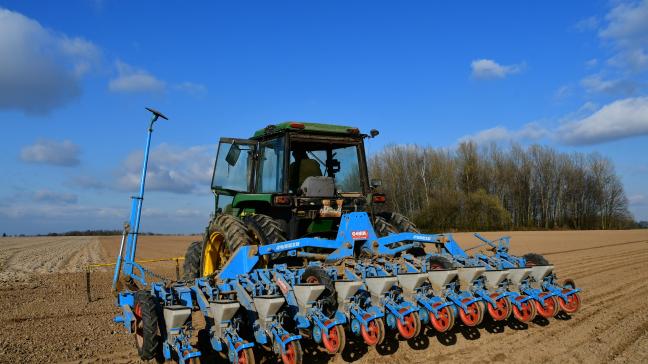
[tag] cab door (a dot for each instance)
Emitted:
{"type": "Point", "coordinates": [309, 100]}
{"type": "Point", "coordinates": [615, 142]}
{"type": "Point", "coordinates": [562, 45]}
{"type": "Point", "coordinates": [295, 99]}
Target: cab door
{"type": "Point", "coordinates": [235, 165]}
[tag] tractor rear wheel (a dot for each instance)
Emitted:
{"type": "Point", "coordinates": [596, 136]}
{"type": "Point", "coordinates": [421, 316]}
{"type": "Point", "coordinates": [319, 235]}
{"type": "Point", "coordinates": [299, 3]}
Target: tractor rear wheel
{"type": "Point", "coordinates": [382, 227]}
{"type": "Point", "coordinates": [226, 233]}
{"type": "Point", "coordinates": [439, 263]}
{"type": "Point", "coordinates": [402, 224]}
{"type": "Point", "coordinates": [533, 259]}
{"type": "Point", "coordinates": [191, 266]}
{"type": "Point", "coordinates": [265, 229]}
{"type": "Point", "coordinates": [329, 296]}
{"type": "Point", "coordinates": [147, 333]}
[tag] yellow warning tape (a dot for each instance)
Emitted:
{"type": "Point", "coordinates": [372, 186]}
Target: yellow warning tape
{"type": "Point", "coordinates": [89, 266]}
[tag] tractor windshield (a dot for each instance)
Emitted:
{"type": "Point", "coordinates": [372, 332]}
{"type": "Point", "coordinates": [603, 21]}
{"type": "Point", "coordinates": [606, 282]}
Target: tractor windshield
{"type": "Point", "coordinates": [339, 161]}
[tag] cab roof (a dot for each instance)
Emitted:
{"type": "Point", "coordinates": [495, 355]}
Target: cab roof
{"type": "Point", "coordinates": [304, 127]}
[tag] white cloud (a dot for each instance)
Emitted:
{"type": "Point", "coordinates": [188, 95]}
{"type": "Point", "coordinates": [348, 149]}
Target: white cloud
{"type": "Point", "coordinates": [595, 83]}
{"type": "Point", "coordinates": [46, 151]}
{"type": "Point", "coordinates": [638, 200]}
{"type": "Point", "coordinates": [488, 69]}
{"type": "Point", "coordinates": [627, 31]}
{"type": "Point", "coordinates": [530, 132]}
{"type": "Point", "coordinates": [620, 119]}
{"type": "Point", "coordinates": [627, 23]}
{"type": "Point", "coordinates": [54, 212]}
{"type": "Point", "coordinates": [87, 182]}
{"type": "Point", "coordinates": [191, 88]}
{"type": "Point", "coordinates": [563, 92]}
{"type": "Point", "coordinates": [587, 24]}
{"type": "Point", "coordinates": [588, 125]}
{"type": "Point", "coordinates": [171, 169]}
{"type": "Point", "coordinates": [57, 198]}
{"type": "Point", "coordinates": [635, 59]}
{"type": "Point", "coordinates": [40, 69]}
{"type": "Point", "coordinates": [591, 63]}
{"type": "Point", "coordinates": [130, 79]}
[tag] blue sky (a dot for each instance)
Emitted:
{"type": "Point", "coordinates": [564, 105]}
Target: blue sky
{"type": "Point", "coordinates": [75, 77]}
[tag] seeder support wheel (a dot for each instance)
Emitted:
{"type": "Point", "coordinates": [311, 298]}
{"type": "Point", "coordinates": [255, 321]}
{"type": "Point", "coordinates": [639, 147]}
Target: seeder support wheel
{"type": "Point", "coordinates": [526, 313]}
{"type": "Point", "coordinates": [411, 327]}
{"type": "Point", "coordinates": [334, 340]}
{"type": "Point", "coordinates": [445, 321]}
{"type": "Point", "coordinates": [376, 332]}
{"type": "Point", "coordinates": [503, 309]}
{"type": "Point", "coordinates": [474, 315]}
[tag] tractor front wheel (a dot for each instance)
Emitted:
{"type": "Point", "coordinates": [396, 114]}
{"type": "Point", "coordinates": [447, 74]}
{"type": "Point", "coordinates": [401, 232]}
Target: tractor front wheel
{"type": "Point", "coordinates": [226, 233]}
{"type": "Point", "coordinates": [191, 266]}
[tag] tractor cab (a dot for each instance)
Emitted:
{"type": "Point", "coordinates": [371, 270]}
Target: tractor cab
{"type": "Point", "coordinates": [304, 175]}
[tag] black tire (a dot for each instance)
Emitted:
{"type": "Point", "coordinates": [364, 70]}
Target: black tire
{"type": "Point", "coordinates": [382, 227]}
{"type": "Point", "coordinates": [191, 266]}
{"type": "Point", "coordinates": [438, 262]}
{"type": "Point", "coordinates": [234, 232]}
{"type": "Point", "coordinates": [329, 296]}
{"type": "Point", "coordinates": [400, 222]}
{"type": "Point", "coordinates": [535, 259]}
{"type": "Point", "coordinates": [266, 229]}
{"type": "Point", "coordinates": [147, 329]}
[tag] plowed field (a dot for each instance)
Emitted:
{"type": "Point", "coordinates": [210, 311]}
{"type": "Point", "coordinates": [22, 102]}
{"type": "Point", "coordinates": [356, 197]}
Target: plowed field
{"type": "Point", "coordinates": [45, 315]}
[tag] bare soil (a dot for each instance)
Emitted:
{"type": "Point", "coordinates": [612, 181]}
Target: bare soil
{"type": "Point", "coordinates": [46, 317]}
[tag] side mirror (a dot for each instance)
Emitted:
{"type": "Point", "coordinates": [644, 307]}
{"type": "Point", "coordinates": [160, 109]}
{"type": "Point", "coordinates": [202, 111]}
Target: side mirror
{"type": "Point", "coordinates": [233, 155]}
{"type": "Point", "coordinates": [374, 133]}
{"type": "Point", "coordinates": [375, 183]}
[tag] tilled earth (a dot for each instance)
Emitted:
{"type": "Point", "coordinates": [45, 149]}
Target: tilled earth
{"type": "Point", "coordinates": [46, 317]}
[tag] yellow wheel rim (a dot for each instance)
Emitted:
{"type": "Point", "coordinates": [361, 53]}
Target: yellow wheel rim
{"type": "Point", "coordinates": [214, 254]}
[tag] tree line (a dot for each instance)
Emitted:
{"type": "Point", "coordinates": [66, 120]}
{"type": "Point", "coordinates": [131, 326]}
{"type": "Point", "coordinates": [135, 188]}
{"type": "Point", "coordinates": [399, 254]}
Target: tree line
{"type": "Point", "coordinates": [489, 187]}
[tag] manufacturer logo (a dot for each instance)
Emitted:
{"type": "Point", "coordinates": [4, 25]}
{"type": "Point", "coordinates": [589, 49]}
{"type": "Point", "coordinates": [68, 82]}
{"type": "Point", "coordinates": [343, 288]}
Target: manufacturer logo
{"type": "Point", "coordinates": [287, 246]}
{"type": "Point", "coordinates": [360, 235]}
{"type": "Point", "coordinates": [423, 237]}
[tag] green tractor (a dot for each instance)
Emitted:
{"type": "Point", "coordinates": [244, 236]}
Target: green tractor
{"type": "Point", "coordinates": [289, 180]}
